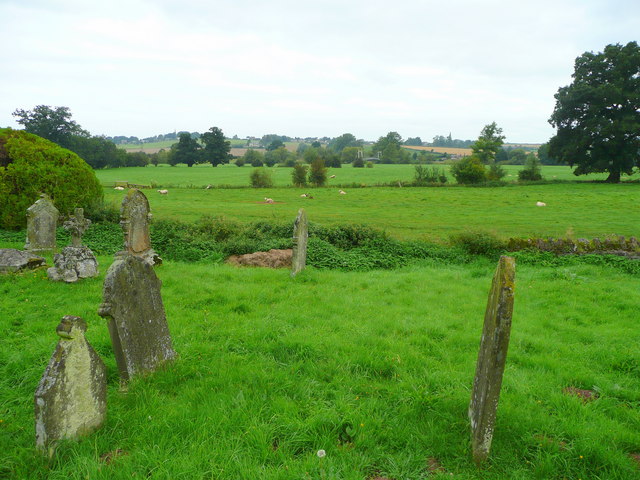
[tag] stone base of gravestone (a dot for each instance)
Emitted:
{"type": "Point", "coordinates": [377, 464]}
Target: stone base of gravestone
{"type": "Point", "coordinates": [132, 303]}
{"type": "Point", "coordinates": [149, 256]}
{"type": "Point", "coordinates": [71, 398]}
{"type": "Point", "coordinates": [12, 260]}
{"type": "Point", "coordinates": [72, 264]}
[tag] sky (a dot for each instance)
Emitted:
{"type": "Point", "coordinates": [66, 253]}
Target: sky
{"type": "Point", "coordinates": [303, 69]}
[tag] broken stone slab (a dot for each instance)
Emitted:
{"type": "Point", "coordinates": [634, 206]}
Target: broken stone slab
{"type": "Point", "coordinates": [300, 237]}
{"type": "Point", "coordinates": [12, 260]}
{"type": "Point", "coordinates": [491, 359]}
{"type": "Point", "coordinates": [132, 303]}
{"type": "Point", "coordinates": [42, 220]}
{"type": "Point", "coordinates": [72, 264]}
{"type": "Point", "coordinates": [71, 398]}
{"type": "Point", "coordinates": [135, 218]}
{"type": "Point", "coordinates": [272, 259]}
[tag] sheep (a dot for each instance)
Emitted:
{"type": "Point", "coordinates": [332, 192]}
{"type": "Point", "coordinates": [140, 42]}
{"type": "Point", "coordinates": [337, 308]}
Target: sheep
{"type": "Point", "coordinates": [541, 204]}
{"type": "Point", "coordinates": [163, 192]}
{"type": "Point", "coordinates": [342, 192]}
{"type": "Point", "coordinates": [208, 187]}
{"type": "Point", "coordinates": [118, 188]}
{"type": "Point", "coordinates": [304, 195]}
{"type": "Point", "coordinates": [332, 176]}
{"type": "Point", "coordinates": [268, 200]}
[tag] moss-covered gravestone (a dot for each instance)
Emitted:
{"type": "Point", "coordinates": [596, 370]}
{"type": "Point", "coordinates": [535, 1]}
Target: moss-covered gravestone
{"type": "Point", "coordinates": [491, 359]}
{"type": "Point", "coordinates": [42, 220]}
{"type": "Point", "coordinates": [137, 323]}
{"type": "Point", "coordinates": [71, 399]}
{"type": "Point", "coordinates": [135, 217]}
{"type": "Point", "coordinates": [300, 237]}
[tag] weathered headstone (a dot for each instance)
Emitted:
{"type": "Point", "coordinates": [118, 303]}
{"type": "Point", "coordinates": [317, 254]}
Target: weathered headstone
{"type": "Point", "coordinates": [12, 260]}
{"type": "Point", "coordinates": [71, 398]}
{"type": "Point", "coordinates": [135, 217]}
{"type": "Point", "coordinates": [491, 359]}
{"type": "Point", "coordinates": [75, 261]}
{"type": "Point", "coordinates": [137, 323]}
{"type": "Point", "coordinates": [42, 220]}
{"type": "Point", "coordinates": [300, 237]}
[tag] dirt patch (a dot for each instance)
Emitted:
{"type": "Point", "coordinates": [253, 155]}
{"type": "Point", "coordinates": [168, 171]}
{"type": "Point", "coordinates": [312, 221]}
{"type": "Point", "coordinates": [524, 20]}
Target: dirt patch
{"type": "Point", "coordinates": [636, 458]}
{"type": "Point", "coordinates": [271, 259]}
{"type": "Point", "coordinates": [433, 466]}
{"type": "Point", "coordinates": [584, 395]}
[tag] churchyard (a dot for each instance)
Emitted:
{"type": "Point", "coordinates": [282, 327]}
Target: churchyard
{"type": "Point", "coordinates": [346, 374]}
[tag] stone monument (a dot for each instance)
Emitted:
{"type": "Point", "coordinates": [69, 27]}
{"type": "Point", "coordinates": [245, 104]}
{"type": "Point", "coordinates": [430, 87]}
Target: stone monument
{"type": "Point", "coordinates": [71, 398]}
{"type": "Point", "coordinates": [135, 216]}
{"type": "Point", "coordinates": [42, 220]}
{"type": "Point", "coordinates": [75, 261]}
{"type": "Point", "coordinates": [300, 237]}
{"type": "Point", "coordinates": [137, 323]}
{"type": "Point", "coordinates": [12, 260]}
{"type": "Point", "coordinates": [491, 359]}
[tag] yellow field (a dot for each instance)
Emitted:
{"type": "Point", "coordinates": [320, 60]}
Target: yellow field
{"type": "Point", "coordinates": [450, 150]}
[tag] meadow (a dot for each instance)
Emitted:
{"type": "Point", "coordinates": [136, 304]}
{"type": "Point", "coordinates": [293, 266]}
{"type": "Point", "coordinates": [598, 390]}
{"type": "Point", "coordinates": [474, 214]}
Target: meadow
{"type": "Point", "coordinates": [374, 368]}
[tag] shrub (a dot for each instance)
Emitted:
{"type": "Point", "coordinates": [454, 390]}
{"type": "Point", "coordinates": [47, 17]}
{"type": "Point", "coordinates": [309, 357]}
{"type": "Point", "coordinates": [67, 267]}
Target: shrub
{"type": "Point", "coordinates": [531, 171]}
{"type": "Point", "coordinates": [318, 172]}
{"type": "Point", "coordinates": [30, 165]}
{"type": "Point", "coordinates": [254, 158]}
{"type": "Point", "coordinates": [496, 172]}
{"type": "Point", "coordinates": [261, 178]}
{"type": "Point", "coordinates": [299, 175]}
{"type": "Point", "coordinates": [240, 162]}
{"type": "Point", "coordinates": [424, 175]}
{"type": "Point", "coordinates": [479, 243]}
{"type": "Point", "coordinates": [369, 164]}
{"type": "Point", "coordinates": [469, 170]}
{"type": "Point", "coordinates": [358, 163]}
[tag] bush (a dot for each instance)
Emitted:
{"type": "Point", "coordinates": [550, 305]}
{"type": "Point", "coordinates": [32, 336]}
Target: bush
{"type": "Point", "coordinates": [369, 164]}
{"type": "Point", "coordinates": [261, 178]}
{"type": "Point", "coordinates": [299, 175]}
{"type": "Point", "coordinates": [425, 175]}
{"type": "Point", "coordinates": [253, 158]}
{"type": "Point", "coordinates": [496, 172]}
{"type": "Point", "coordinates": [479, 243]}
{"type": "Point", "coordinates": [240, 162]}
{"type": "Point", "coordinates": [31, 165]}
{"type": "Point", "coordinates": [531, 171]}
{"type": "Point", "coordinates": [469, 170]}
{"type": "Point", "coordinates": [318, 172]}
{"type": "Point", "coordinates": [358, 163]}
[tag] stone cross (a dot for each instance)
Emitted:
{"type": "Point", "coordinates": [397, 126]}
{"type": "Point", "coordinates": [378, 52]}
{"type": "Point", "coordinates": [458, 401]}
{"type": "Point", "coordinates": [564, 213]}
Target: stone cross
{"type": "Point", "coordinates": [491, 359]}
{"type": "Point", "coordinates": [135, 216]}
{"type": "Point", "coordinates": [137, 323]}
{"type": "Point", "coordinates": [42, 220]}
{"type": "Point", "coordinates": [71, 398]}
{"type": "Point", "coordinates": [300, 237]}
{"type": "Point", "coordinates": [76, 226]}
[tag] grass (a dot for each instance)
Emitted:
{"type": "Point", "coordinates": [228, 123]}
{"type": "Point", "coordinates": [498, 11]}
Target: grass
{"type": "Point", "coordinates": [576, 209]}
{"type": "Point", "coordinates": [375, 369]}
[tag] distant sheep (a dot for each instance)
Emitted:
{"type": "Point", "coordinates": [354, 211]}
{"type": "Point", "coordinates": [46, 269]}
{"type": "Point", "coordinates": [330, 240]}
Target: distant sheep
{"type": "Point", "coordinates": [304, 195]}
{"type": "Point", "coordinates": [268, 200]}
{"type": "Point", "coordinates": [163, 192]}
{"type": "Point", "coordinates": [342, 192]}
{"type": "Point", "coordinates": [118, 188]}
{"type": "Point", "coordinates": [208, 187]}
{"type": "Point", "coordinates": [332, 176]}
{"type": "Point", "coordinates": [541, 204]}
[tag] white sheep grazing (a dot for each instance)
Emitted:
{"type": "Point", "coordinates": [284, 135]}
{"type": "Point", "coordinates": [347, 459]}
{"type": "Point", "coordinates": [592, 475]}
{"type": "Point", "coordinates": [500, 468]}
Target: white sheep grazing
{"type": "Point", "coordinates": [268, 200]}
{"type": "Point", "coordinates": [304, 195]}
{"type": "Point", "coordinates": [163, 192]}
{"type": "Point", "coordinates": [332, 176]}
{"type": "Point", "coordinates": [118, 188]}
{"type": "Point", "coordinates": [342, 192]}
{"type": "Point", "coordinates": [207, 187]}
{"type": "Point", "coordinates": [541, 204]}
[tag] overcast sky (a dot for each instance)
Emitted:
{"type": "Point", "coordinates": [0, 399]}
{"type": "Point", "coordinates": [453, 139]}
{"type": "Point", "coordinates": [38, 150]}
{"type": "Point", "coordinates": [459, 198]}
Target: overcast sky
{"type": "Point", "coordinates": [298, 68]}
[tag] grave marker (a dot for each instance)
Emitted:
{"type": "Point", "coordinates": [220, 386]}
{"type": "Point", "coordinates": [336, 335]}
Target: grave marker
{"type": "Point", "coordinates": [75, 261]}
{"type": "Point", "coordinates": [135, 217]}
{"type": "Point", "coordinates": [300, 238]}
{"type": "Point", "coordinates": [71, 398]}
{"type": "Point", "coordinates": [491, 359]}
{"type": "Point", "coordinates": [42, 220]}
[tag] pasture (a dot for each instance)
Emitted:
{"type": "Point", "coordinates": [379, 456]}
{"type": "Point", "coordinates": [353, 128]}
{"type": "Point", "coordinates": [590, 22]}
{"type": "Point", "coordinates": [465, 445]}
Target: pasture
{"type": "Point", "coordinates": [373, 368]}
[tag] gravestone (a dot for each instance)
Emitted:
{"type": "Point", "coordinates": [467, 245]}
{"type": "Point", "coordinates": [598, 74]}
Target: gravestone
{"type": "Point", "coordinates": [300, 237]}
{"type": "Point", "coordinates": [42, 220]}
{"type": "Point", "coordinates": [491, 359]}
{"type": "Point", "coordinates": [75, 261]}
{"type": "Point", "coordinates": [12, 260]}
{"type": "Point", "coordinates": [135, 217]}
{"type": "Point", "coordinates": [71, 398]}
{"type": "Point", "coordinates": [137, 323]}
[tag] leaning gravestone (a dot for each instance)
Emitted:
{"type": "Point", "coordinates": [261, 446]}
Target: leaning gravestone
{"type": "Point", "coordinates": [42, 220]}
{"type": "Point", "coordinates": [300, 236]}
{"type": "Point", "coordinates": [135, 217]}
{"type": "Point", "coordinates": [75, 261]}
{"type": "Point", "coordinates": [491, 359]}
{"type": "Point", "coordinates": [71, 398]}
{"type": "Point", "coordinates": [12, 260]}
{"type": "Point", "coordinates": [137, 322]}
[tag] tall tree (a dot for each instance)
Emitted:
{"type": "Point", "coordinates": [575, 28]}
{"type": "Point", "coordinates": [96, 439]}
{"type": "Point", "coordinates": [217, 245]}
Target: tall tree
{"type": "Point", "coordinates": [345, 140]}
{"type": "Point", "coordinates": [187, 150]}
{"type": "Point", "coordinates": [389, 147]}
{"type": "Point", "coordinates": [216, 148]}
{"type": "Point", "coordinates": [597, 116]}
{"type": "Point", "coordinates": [52, 123]}
{"type": "Point", "coordinates": [488, 143]}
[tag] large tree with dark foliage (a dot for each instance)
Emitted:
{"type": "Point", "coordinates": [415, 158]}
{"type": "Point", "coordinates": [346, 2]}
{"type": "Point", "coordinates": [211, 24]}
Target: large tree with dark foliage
{"type": "Point", "coordinates": [597, 116]}
{"type": "Point", "coordinates": [216, 148]}
{"type": "Point", "coordinates": [52, 123]}
{"type": "Point", "coordinates": [187, 150]}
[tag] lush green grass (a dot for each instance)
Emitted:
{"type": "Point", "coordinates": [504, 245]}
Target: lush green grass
{"type": "Point", "coordinates": [375, 369]}
{"type": "Point", "coordinates": [579, 209]}
{"type": "Point", "coordinates": [203, 175]}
